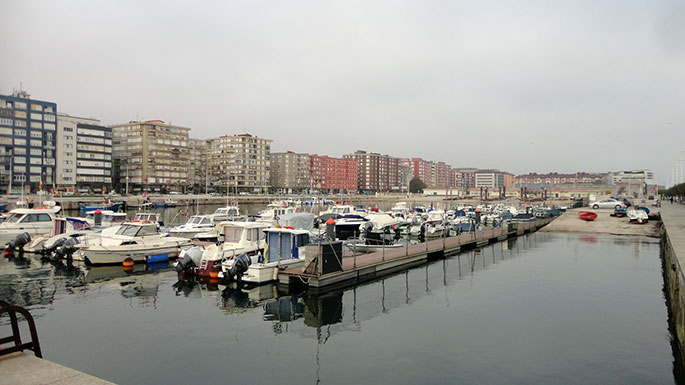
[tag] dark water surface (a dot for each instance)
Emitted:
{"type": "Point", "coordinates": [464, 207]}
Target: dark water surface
{"type": "Point", "coordinates": [540, 309]}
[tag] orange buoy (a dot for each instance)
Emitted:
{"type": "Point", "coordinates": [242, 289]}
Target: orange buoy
{"type": "Point", "coordinates": [330, 221]}
{"type": "Point", "coordinates": [213, 274]}
{"type": "Point", "coordinates": [128, 262]}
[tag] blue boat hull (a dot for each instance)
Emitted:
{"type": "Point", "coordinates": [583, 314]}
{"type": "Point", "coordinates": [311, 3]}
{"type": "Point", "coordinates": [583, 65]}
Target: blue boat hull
{"type": "Point", "coordinates": [86, 209]}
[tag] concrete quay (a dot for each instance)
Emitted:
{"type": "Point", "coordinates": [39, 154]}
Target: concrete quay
{"type": "Point", "coordinates": [25, 369]}
{"type": "Point", "coordinates": [673, 254]}
{"type": "Point", "coordinates": [366, 267]}
{"type": "Point", "coordinates": [569, 222]}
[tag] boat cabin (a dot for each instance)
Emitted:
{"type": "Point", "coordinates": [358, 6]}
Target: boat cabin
{"type": "Point", "coordinates": [242, 232]}
{"type": "Point", "coordinates": [31, 216]}
{"type": "Point", "coordinates": [130, 229]}
{"type": "Point", "coordinates": [199, 220]}
{"type": "Point", "coordinates": [284, 244]}
{"type": "Point", "coordinates": [230, 211]}
{"type": "Point", "coordinates": [146, 217]}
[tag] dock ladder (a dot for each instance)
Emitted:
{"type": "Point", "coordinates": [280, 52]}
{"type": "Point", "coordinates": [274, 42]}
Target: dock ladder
{"type": "Point", "coordinates": [34, 345]}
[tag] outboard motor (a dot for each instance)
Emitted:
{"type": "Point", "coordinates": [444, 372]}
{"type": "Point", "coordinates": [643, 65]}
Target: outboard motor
{"type": "Point", "coordinates": [191, 259]}
{"type": "Point", "coordinates": [66, 248]}
{"type": "Point", "coordinates": [18, 243]}
{"type": "Point", "coordinates": [242, 262]}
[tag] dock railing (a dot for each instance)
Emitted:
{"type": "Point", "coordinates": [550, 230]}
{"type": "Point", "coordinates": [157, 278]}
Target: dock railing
{"type": "Point", "coordinates": [33, 345]}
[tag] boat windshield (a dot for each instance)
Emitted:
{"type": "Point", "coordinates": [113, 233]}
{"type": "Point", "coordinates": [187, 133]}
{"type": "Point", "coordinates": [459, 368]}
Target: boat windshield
{"type": "Point", "coordinates": [114, 219]}
{"type": "Point", "coordinates": [205, 221]}
{"type": "Point", "coordinates": [232, 212]}
{"type": "Point", "coordinates": [232, 234]}
{"type": "Point", "coordinates": [13, 218]}
{"type": "Point", "coordinates": [194, 220]}
{"type": "Point", "coordinates": [220, 211]}
{"type": "Point", "coordinates": [128, 230]}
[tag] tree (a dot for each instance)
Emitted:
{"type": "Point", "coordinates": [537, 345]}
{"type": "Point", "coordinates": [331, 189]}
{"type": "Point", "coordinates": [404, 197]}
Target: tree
{"type": "Point", "coordinates": [621, 190]}
{"type": "Point", "coordinates": [416, 185]}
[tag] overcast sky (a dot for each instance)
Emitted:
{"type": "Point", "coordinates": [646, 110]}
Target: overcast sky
{"type": "Point", "coordinates": [523, 86]}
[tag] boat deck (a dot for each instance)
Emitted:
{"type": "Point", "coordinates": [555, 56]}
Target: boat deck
{"type": "Point", "coordinates": [365, 267]}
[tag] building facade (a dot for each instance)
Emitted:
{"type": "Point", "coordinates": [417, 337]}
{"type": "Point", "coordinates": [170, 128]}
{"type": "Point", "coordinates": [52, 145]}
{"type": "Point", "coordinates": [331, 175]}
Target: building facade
{"type": "Point", "coordinates": [633, 177]}
{"type": "Point", "coordinates": [84, 155]}
{"type": "Point", "coordinates": [555, 178]}
{"type": "Point", "coordinates": [198, 164]}
{"type": "Point", "coordinates": [333, 175]}
{"type": "Point", "coordinates": [290, 172]}
{"type": "Point", "coordinates": [151, 156]}
{"type": "Point", "coordinates": [241, 162]}
{"type": "Point", "coordinates": [376, 172]}
{"type": "Point", "coordinates": [28, 141]}
{"type": "Point", "coordinates": [489, 178]}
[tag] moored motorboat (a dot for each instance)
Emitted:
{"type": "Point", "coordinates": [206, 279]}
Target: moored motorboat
{"type": "Point", "coordinates": [32, 221]}
{"type": "Point", "coordinates": [139, 241]}
{"type": "Point", "coordinates": [284, 250]}
{"type": "Point", "coordinates": [196, 224]}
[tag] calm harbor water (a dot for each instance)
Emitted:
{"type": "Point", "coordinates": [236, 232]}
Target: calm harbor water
{"type": "Point", "coordinates": [543, 309]}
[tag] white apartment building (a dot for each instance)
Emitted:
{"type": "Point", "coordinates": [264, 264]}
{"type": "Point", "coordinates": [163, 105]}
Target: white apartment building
{"type": "Point", "coordinates": [84, 154]}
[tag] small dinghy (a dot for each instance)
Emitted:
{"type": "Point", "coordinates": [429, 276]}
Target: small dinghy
{"type": "Point", "coordinates": [587, 215]}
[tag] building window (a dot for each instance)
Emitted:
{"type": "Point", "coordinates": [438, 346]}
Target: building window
{"type": "Point", "coordinates": [19, 123]}
{"type": "Point", "coordinates": [37, 134]}
{"type": "Point", "coordinates": [35, 116]}
{"type": "Point", "coordinates": [69, 129]}
{"type": "Point", "coordinates": [6, 121]}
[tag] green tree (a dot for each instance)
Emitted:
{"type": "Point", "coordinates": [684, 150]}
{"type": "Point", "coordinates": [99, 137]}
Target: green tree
{"type": "Point", "coordinates": [621, 190]}
{"type": "Point", "coordinates": [416, 185]}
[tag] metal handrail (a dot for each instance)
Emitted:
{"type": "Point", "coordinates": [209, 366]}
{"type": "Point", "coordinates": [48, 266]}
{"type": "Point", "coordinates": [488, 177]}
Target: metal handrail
{"type": "Point", "coordinates": [34, 345]}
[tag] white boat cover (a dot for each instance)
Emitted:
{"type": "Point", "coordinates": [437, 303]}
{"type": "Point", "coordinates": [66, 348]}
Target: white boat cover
{"type": "Point", "coordinates": [304, 221]}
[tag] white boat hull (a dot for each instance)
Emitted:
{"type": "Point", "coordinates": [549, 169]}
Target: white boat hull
{"type": "Point", "coordinates": [261, 273]}
{"type": "Point", "coordinates": [100, 255]}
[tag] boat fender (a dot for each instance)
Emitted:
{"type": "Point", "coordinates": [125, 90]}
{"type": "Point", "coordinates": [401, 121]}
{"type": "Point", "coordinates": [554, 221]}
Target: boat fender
{"type": "Point", "coordinates": [157, 258]}
{"type": "Point", "coordinates": [128, 262]}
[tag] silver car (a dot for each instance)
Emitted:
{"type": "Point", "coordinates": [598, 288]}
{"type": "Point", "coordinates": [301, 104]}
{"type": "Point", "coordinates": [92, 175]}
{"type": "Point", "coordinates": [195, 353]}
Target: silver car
{"type": "Point", "coordinates": [608, 203]}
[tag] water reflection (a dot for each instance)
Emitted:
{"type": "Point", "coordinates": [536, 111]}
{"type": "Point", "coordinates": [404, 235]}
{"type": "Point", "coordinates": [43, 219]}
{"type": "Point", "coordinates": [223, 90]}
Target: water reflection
{"type": "Point", "coordinates": [498, 298]}
{"type": "Point", "coordinates": [348, 309]}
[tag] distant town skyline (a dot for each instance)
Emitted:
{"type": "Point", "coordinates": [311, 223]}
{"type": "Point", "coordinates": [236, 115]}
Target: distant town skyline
{"type": "Point", "coordinates": [521, 87]}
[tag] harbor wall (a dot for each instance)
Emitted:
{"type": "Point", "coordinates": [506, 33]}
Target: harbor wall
{"type": "Point", "coordinates": [674, 290]}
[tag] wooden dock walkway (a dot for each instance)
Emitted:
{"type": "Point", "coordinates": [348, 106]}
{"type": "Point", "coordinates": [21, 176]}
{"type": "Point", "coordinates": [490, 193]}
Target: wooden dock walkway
{"type": "Point", "coordinates": [365, 267]}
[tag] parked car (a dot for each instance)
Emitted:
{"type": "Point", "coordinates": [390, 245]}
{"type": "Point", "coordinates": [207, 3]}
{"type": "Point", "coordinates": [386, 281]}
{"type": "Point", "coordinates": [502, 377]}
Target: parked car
{"type": "Point", "coordinates": [607, 203]}
{"type": "Point", "coordinates": [624, 200]}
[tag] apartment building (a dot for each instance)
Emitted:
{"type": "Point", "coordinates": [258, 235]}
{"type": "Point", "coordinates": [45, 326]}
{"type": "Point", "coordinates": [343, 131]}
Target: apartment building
{"type": "Point", "coordinates": [376, 172]}
{"type": "Point", "coordinates": [84, 155]}
{"type": "Point", "coordinates": [241, 162]}
{"type": "Point", "coordinates": [198, 162]}
{"type": "Point", "coordinates": [27, 143]}
{"type": "Point", "coordinates": [333, 175]}
{"type": "Point", "coordinates": [290, 172]}
{"type": "Point", "coordinates": [151, 156]}
{"type": "Point", "coordinates": [489, 178]}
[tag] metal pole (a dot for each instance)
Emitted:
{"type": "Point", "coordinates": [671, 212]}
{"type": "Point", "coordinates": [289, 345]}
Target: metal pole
{"type": "Point", "coordinates": [9, 190]}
